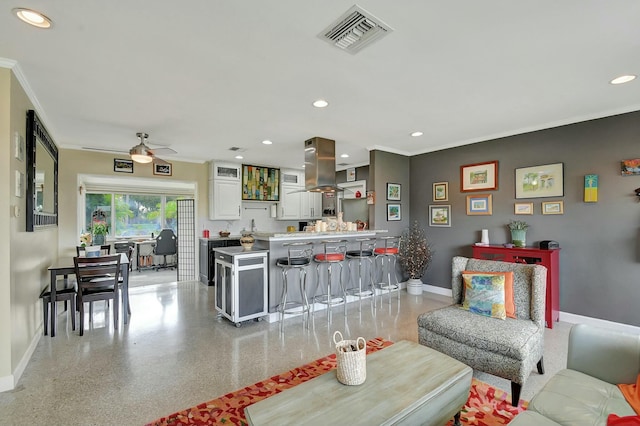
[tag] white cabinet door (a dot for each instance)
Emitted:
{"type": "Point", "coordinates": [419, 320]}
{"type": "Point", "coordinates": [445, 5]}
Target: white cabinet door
{"type": "Point", "coordinates": [225, 199]}
{"type": "Point", "coordinates": [290, 202]}
{"type": "Point", "coordinates": [311, 207]}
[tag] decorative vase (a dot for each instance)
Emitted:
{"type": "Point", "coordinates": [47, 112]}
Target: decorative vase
{"type": "Point", "coordinates": [519, 237]}
{"type": "Point", "coordinates": [414, 286]}
{"type": "Point", "coordinates": [246, 241]}
{"type": "Point", "coordinates": [98, 239]}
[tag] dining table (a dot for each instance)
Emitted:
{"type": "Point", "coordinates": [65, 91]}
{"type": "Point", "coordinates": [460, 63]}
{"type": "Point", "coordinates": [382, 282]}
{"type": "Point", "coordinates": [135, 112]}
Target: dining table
{"type": "Point", "coordinates": [65, 266]}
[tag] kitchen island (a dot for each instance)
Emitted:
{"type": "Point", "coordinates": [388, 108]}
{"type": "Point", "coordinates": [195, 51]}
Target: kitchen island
{"type": "Point", "coordinates": [275, 243]}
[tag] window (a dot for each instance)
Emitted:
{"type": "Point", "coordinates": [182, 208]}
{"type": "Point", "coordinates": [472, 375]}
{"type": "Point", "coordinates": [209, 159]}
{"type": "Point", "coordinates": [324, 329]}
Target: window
{"type": "Point", "coordinates": [136, 215]}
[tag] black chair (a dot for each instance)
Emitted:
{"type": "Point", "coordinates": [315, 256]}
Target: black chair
{"type": "Point", "coordinates": [66, 294]}
{"type": "Point", "coordinates": [166, 245]}
{"type": "Point", "coordinates": [127, 247]}
{"type": "Point", "coordinates": [97, 280]}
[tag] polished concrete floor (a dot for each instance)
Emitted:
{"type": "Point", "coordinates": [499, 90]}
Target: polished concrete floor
{"type": "Point", "coordinates": [176, 352]}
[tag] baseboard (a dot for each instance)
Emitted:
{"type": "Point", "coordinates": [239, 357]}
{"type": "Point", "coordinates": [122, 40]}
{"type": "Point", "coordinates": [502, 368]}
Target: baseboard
{"type": "Point", "coordinates": [564, 316]}
{"type": "Point", "coordinates": [8, 383]}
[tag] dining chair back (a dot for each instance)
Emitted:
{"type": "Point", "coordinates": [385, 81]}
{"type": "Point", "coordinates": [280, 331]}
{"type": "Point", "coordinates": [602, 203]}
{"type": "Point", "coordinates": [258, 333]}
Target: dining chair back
{"type": "Point", "coordinates": [104, 250]}
{"type": "Point", "coordinates": [97, 280]}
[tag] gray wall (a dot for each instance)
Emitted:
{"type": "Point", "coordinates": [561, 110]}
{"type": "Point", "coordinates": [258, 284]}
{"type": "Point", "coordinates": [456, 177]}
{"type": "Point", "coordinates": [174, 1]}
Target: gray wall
{"type": "Point", "coordinates": [600, 256]}
{"type": "Point", "coordinates": [386, 168]}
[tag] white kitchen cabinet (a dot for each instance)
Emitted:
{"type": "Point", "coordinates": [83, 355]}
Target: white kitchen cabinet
{"type": "Point", "coordinates": [290, 206]}
{"type": "Point", "coordinates": [225, 191]}
{"type": "Point", "coordinates": [311, 207]}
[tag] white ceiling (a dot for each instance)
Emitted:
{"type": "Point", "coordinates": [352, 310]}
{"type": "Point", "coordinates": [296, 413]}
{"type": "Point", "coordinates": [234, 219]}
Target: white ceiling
{"type": "Point", "coordinates": [202, 76]}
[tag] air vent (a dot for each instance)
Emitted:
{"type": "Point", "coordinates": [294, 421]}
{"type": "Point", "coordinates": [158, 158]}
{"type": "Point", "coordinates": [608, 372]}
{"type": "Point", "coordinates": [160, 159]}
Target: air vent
{"type": "Point", "coordinates": [343, 164]}
{"type": "Point", "coordinates": [237, 149]}
{"type": "Point", "coordinates": [354, 30]}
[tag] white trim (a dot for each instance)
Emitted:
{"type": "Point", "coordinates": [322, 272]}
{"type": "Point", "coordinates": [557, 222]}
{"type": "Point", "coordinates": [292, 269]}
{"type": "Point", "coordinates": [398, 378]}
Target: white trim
{"type": "Point", "coordinates": [9, 382]}
{"type": "Point", "coordinates": [564, 316]}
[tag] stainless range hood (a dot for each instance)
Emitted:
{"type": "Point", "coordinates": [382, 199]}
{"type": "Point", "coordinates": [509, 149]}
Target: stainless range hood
{"type": "Point", "coordinates": [320, 165]}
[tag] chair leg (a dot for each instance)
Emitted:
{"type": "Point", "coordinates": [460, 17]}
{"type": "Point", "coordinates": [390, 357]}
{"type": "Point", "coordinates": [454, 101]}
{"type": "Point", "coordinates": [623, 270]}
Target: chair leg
{"type": "Point", "coordinates": [81, 315]}
{"type": "Point", "coordinates": [45, 309]}
{"type": "Point", "coordinates": [115, 310]}
{"type": "Point", "coordinates": [515, 393]}
{"type": "Point", "coordinates": [541, 366]}
{"type": "Point", "coordinates": [73, 313]}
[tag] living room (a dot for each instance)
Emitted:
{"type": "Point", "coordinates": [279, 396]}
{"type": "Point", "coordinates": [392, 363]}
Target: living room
{"type": "Point", "coordinates": [599, 241]}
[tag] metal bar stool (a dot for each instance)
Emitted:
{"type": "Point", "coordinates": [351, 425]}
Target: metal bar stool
{"type": "Point", "coordinates": [364, 252]}
{"type": "Point", "coordinates": [333, 253]}
{"type": "Point", "coordinates": [298, 258]}
{"type": "Point", "coordinates": [387, 255]}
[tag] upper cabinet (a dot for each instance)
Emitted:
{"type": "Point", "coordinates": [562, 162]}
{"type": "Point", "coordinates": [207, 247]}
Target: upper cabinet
{"type": "Point", "coordinates": [225, 191]}
{"type": "Point", "coordinates": [291, 183]}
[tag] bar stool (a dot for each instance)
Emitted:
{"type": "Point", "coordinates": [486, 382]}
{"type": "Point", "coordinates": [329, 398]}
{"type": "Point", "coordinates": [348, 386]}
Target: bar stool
{"type": "Point", "coordinates": [364, 252]}
{"type": "Point", "coordinates": [387, 255]}
{"type": "Point", "coordinates": [333, 253]}
{"type": "Point", "coordinates": [298, 258]}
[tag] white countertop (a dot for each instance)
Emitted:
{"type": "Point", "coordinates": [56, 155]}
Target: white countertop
{"type": "Point", "coordinates": [274, 236]}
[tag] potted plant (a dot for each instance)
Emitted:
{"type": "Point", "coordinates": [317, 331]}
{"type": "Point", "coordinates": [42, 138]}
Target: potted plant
{"type": "Point", "coordinates": [414, 255]}
{"type": "Point", "coordinates": [518, 230]}
{"type": "Point", "coordinates": [99, 230]}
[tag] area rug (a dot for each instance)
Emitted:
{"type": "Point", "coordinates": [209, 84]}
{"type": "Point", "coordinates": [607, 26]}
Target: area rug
{"type": "Point", "coordinates": [486, 406]}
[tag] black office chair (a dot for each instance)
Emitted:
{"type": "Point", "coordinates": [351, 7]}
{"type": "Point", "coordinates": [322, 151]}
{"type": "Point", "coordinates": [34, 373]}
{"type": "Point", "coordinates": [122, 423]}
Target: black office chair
{"type": "Point", "coordinates": [166, 245]}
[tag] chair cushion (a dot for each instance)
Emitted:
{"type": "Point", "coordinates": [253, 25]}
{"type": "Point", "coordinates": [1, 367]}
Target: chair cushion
{"type": "Point", "coordinates": [329, 257]}
{"type": "Point", "coordinates": [358, 253]}
{"type": "Point", "coordinates": [386, 250]}
{"type": "Point", "coordinates": [484, 294]}
{"type": "Point", "coordinates": [509, 303]}
{"type": "Point", "coordinates": [571, 397]}
{"type": "Point", "coordinates": [516, 339]}
{"type": "Point", "coordinates": [294, 261]}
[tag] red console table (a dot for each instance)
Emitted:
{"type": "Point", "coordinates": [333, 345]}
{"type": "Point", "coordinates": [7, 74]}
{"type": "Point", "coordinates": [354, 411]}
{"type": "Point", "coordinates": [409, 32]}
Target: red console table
{"type": "Point", "coordinates": [548, 258]}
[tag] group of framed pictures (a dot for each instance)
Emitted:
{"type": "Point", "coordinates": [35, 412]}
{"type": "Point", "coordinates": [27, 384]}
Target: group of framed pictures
{"type": "Point", "coordinates": [394, 211]}
{"type": "Point", "coordinates": [122, 165]}
{"type": "Point", "coordinates": [546, 180]}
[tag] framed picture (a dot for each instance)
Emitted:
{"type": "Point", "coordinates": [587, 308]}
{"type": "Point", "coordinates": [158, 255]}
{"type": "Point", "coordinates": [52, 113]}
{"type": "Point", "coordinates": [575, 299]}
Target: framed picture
{"type": "Point", "coordinates": [553, 207]}
{"type": "Point", "coordinates": [480, 204]}
{"type": "Point", "coordinates": [393, 212]}
{"type": "Point", "coordinates": [162, 169]}
{"type": "Point", "coordinates": [523, 208]}
{"type": "Point", "coordinates": [441, 191]}
{"type": "Point", "coordinates": [393, 191]}
{"type": "Point", "coordinates": [540, 181]}
{"type": "Point", "coordinates": [630, 167]}
{"type": "Point", "coordinates": [122, 166]}
{"type": "Point", "coordinates": [440, 215]}
{"type": "Point", "coordinates": [371, 197]}
{"type": "Point", "coordinates": [351, 174]}
{"type": "Point", "coordinates": [479, 177]}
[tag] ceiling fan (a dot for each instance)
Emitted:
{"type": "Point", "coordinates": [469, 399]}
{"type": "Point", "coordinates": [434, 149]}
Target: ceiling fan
{"type": "Point", "coordinates": [141, 153]}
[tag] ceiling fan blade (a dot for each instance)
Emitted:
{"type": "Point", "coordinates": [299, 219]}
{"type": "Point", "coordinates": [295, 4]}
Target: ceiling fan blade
{"type": "Point", "coordinates": [157, 160]}
{"type": "Point", "coordinates": [161, 151]}
{"type": "Point", "coordinates": [119, 151]}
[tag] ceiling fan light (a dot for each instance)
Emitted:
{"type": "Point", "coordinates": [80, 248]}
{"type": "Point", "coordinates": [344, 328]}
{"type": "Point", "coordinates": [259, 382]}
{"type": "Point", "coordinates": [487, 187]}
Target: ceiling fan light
{"type": "Point", "coordinates": [139, 154]}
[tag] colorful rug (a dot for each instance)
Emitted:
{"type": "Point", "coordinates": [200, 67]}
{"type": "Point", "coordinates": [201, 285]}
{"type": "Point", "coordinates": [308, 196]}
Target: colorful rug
{"type": "Point", "coordinates": [486, 406]}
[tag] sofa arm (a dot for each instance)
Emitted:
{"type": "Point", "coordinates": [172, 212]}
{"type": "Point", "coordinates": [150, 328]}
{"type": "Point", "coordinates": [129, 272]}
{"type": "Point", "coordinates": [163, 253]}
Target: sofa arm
{"type": "Point", "coordinates": [612, 356]}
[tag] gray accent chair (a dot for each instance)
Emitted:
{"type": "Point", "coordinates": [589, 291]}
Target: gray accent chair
{"type": "Point", "coordinates": [507, 348]}
{"type": "Point", "coordinates": [585, 393]}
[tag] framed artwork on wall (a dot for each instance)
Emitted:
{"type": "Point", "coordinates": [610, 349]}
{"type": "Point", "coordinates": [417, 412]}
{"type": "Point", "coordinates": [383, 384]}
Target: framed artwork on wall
{"type": "Point", "coordinates": [546, 180]}
{"type": "Point", "coordinates": [523, 208]}
{"type": "Point", "coordinates": [479, 177]}
{"type": "Point", "coordinates": [441, 191]}
{"type": "Point", "coordinates": [162, 169]}
{"type": "Point", "coordinates": [553, 207]}
{"type": "Point", "coordinates": [393, 191]}
{"type": "Point", "coordinates": [122, 165]}
{"type": "Point", "coordinates": [440, 215]}
{"type": "Point", "coordinates": [479, 205]}
{"type": "Point", "coordinates": [351, 174]}
{"type": "Point", "coordinates": [393, 212]}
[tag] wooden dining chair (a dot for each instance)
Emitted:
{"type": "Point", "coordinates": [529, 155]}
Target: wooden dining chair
{"type": "Point", "coordinates": [105, 249]}
{"type": "Point", "coordinates": [97, 280]}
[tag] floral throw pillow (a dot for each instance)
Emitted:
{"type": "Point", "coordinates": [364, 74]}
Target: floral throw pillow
{"type": "Point", "coordinates": [484, 294]}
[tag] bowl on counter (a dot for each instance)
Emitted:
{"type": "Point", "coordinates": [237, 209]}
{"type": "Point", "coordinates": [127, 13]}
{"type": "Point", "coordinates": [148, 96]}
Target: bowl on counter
{"type": "Point", "coordinates": [224, 233]}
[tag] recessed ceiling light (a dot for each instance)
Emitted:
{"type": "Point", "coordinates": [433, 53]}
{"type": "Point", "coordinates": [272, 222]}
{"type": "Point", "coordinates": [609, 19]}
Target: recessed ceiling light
{"type": "Point", "coordinates": [267, 142]}
{"type": "Point", "coordinates": [320, 103]}
{"type": "Point", "coordinates": [344, 155]}
{"type": "Point", "coordinates": [32, 17]}
{"type": "Point", "coordinates": [416, 134]}
{"type": "Point", "coordinates": [238, 157]}
{"type": "Point", "coordinates": [623, 79]}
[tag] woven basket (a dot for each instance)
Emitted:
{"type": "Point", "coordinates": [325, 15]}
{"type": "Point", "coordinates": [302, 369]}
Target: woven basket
{"type": "Point", "coordinates": [351, 366]}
